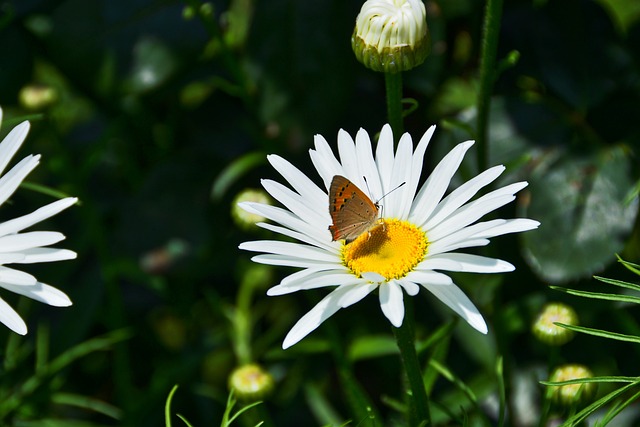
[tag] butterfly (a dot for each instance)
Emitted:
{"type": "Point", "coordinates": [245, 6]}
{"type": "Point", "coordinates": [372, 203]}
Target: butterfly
{"type": "Point", "coordinates": [351, 210]}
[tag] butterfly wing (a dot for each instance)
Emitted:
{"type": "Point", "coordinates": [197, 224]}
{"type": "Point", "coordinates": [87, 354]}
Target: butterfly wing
{"type": "Point", "coordinates": [351, 210]}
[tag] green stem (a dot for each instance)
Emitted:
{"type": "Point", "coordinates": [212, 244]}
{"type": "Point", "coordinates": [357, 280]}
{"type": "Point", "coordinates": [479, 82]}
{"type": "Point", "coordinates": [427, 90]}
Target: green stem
{"type": "Point", "coordinates": [393, 85]}
{"type": "Point", "coordinates": [491, 30]}
{"type": "Point", "coordinates": [405, 340]}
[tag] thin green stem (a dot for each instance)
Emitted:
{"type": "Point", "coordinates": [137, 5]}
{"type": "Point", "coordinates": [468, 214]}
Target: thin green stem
{"type": "Point", "coordinates": [491, 30]}
{"type": "Point", "coordinates": [393, 85]}
{"type": "Point", "coordinates": [405, 339]}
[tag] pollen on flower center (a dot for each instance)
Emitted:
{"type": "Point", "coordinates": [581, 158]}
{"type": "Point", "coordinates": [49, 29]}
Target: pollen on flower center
{"type": "Point", "coordinates": [392, 249]}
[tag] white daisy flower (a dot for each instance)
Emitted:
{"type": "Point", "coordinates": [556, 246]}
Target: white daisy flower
{"type": "Point", "coordinates": [419, 232]}
{"type": "Point", "coordinates": [17, 247]}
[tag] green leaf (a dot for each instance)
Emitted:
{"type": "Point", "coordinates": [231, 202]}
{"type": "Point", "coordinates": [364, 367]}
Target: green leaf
{"type": "Point", "coordinates": [167, 406]}
{"type": "Point", "coordinates": [620, 283]}
{"type": "Point", "coordinates": [635, 268]}
{"type": "Point", "coordinates": [449, 376]}
{"type": "Point", "coordinates": [601, 333]}
{"type": "Point", "coordinates": [616, 409]}
{"type": "Point", "coordinates": [234, 171]}
{"type": "Point", "coordinates": [584, 220]}
{"type": "Point", "coordinates": [599, 295]}
{"type": "Point", "coordinates": [606, 379]}
{"type": "Point", "coordinates": [624, 13]}
{"type": "Point", "coordinates": [320, 406]}
{"type": "Point", "coordinates": [372, 346]}
{"type": "Point", "coordinates": [582, 415]}
{"type": "Point", "coordinates": [88, 403]}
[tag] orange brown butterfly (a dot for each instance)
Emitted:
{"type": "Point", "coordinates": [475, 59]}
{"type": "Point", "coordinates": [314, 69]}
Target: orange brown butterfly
{"type": "Point", "coordinates": [351, 210]}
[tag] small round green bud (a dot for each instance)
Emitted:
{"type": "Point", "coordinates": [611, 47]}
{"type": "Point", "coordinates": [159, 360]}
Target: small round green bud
{"type": "Point", "coordinates": [188, 13]}
{"type": "Point", "coordinates": [251, 382]}
{"type": "Point", "coordinates": [549, 333]}
{"type": "Point", "coordinates": [247, 220]}
{"type": "Point", "coordinates": [206, 9]}
{"type": "Point", "coordinates": [572, 394]}
{"type": "Point", "coordinates": [391, 35]}
{"type": "Point", "coordinates": [37, 97]}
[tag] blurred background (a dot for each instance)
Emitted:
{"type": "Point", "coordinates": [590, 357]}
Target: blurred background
{"type": "Point", "coordinates": [156, 114]}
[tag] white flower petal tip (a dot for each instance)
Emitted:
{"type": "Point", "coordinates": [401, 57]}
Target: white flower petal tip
{"type": "Point", "coordinates": [432, 222]}
{"type": "Point", "coordinates": [11, 319]}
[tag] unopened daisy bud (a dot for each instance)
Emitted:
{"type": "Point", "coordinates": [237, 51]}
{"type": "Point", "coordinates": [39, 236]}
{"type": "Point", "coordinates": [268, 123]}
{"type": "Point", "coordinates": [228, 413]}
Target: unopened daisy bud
{"type": "Point", "coordinates": [247, 220]}
{"type": "Point", "coordinates": [37, 97]}
{"type": "Point", "coordinates": [391, 35]}
{"type": "Point", "coordinates": [251, 382]}
{"type": "Point", "coordinates": [544, 327]}
{"type": "Point", "coordinates": [571, 394]}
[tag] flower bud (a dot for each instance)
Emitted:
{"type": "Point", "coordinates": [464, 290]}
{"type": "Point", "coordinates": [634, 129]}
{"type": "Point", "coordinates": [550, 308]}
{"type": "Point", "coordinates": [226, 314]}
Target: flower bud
{"type": "Point", "coordinates": [391, 35]}
{"type": "Point", "coordinates": [571, 394]}
{"type": "Point", "coordinates": [37, 97]}
{"type": "Point", "coordinates": [251, 382]}
{"type": "Point", "coordinates": [247, 220]}
{"type": "Point", "coordinates": [549, 333]}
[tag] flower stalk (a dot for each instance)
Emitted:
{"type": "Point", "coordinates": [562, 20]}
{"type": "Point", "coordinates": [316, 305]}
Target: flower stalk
{"type": "Point", "coordinates": [406, 344]}
{"type": "Point", "coordinates": [393, 86]}
{"type": "Point", "coordinates": [491, 30]}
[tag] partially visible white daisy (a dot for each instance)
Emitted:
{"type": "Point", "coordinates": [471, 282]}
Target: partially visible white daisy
{"type": "Point", "coordinates": [18, 247]}
{"type": "Point", "coordinates": [421, 234]}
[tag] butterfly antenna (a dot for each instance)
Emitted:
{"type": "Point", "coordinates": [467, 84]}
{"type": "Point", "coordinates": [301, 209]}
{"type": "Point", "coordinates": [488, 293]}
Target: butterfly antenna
{"type": "Point", "coordinates": [391, 191]}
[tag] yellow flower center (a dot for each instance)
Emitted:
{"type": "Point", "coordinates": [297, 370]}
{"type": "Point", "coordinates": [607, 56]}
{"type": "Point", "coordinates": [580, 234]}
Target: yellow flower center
{"type": "Point", "coordinates": [392, 249]}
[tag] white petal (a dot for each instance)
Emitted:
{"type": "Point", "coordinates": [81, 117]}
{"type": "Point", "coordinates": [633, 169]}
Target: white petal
{"type": "Point", "coordinates": [41, 292]}
{"type": "Point", "coordinates": [286, 260]}
{"type": "Point", "coordinates": [462, 195]}
{"type": "Point", "coordinates": [325, 161]}
{"type": "Point", "coordinates": [18, 224]}
{"type": "Point", "coordinates": [296, 204]}
{"type": "Point", "coordinates": [384, 154]}
{"type": "Point", "coordinates": [10, 258]}
{"type": "Point", "coordinates": [397, 201]}
{"type": "Point", "coordinates": [289, 220]}
{"type": "Point", "coordinates": [312, 240]}
{"type": "Point", "coordinates": [34, 255]}
{"type": "Point", "coordinates": [299, 181]}
{"type": "Point", "coordinates": [367, 165]}
{"type": "Point", "coordinates": [436, 185]}
{"type": "Point", "coordinates": [11, 143]}
{"type": "Point", "coordinates": [347, 151]}
{"type": "Point", "coordinates": [516, 225]}
{"type": "Point", "coordinates": [416, 167]}
{"type": "Point", "coordinates": [466, 263]}
{"type": "Point", "coordinates": [18, 242]}
{"type": "Point", "coordinates": [463, 238]}
{"type": "Point", "coordinates": [453, 297]}
{"type": "Point", "coordinates": [319, 280]}
{"type": "Point", "coordinates": [373, 277]}
{"type": "Point", "coordinates": [11, 319]}
{"type": "Point", "coordinates": [411, 288]}
{"type": "Point", "coordinates": [356, 294]}
{"type": "Point", "coordinates": [9, 276]}
{"type": "Point", "coordinates": [294, 250]}
{"type": "Point", "coordinates": [12, 179]}
{"type": "Point", "coordinates": [467, 215]}
{"type": "Point", "coordinates": [431, 277]}
{"type": "Point", "coordinates": [391, 302]}
{"type": "Point", "coordinates": [318, 314]}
